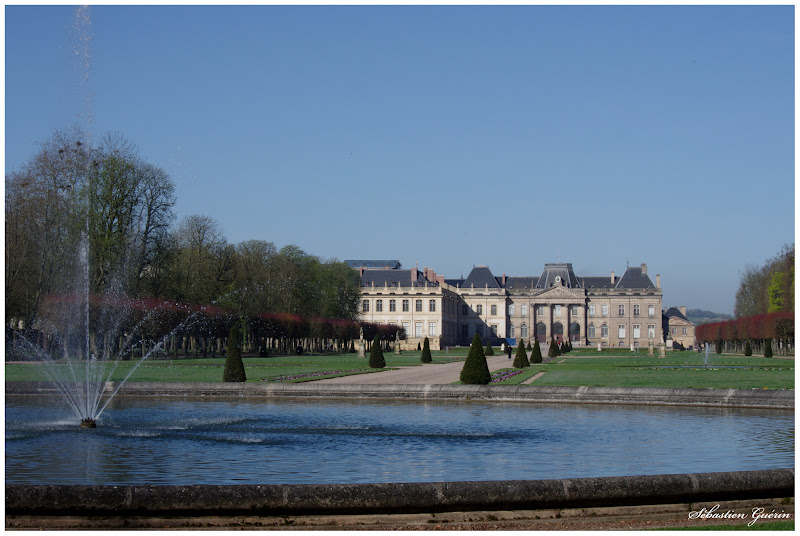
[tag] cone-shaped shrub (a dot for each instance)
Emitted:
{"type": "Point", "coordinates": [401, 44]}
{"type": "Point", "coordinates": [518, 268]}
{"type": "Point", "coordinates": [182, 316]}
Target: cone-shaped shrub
{"type": "Point", "coordinates": [748, 350]}
{"type": "Point", "coordinates": [376, 359]}
{"type": "Point", "coordinates": [475, 370]}
{"type": "Point", "coordinates": [426, 352]}
{"type": "Point", "coordinates": [768, 350]}
{"type": "Point", "coordinates": [553, 351]}
{"type": "Point", "coordinates": [419, 347]}
{"type": "Point", "coordinates": [352, 347]}
{"type": "Point", "coordinates": [719, 346]}
{"type": "Point", "coordinates": [521, 357]}
{"type": "Point", "coordinates": [489, 350]}
{"type": "Point", "coordinates": [234, 368]}
{"type": "Point", "coordinates": [536, 353]}
{"type": "Point", "coordinates": [529, 345]}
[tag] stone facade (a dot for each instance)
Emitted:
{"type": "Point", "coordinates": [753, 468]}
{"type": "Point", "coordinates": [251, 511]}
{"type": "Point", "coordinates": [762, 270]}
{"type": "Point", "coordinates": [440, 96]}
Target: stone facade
{"type": "Point", "coordinates": [591, 311]}
{"type": "Point", "coordinates": [679, 329]}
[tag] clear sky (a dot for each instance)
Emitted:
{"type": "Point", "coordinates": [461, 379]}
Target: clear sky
{"type": "Point", "coordinates": [448, 136]}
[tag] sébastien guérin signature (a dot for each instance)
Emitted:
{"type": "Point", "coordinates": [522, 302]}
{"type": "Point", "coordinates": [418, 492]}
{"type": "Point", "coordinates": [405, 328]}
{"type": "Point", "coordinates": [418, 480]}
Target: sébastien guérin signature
{"type": "Point", "coordinates": [757, 514]}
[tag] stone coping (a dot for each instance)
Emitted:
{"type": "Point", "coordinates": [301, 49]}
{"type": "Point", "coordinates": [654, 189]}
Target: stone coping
{"type": "Point", "coordinates": [314, 499]}
{"type": "Point", "coordinates": [744, 398]}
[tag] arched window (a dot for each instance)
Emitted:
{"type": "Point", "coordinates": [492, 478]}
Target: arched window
{"type": "Point", "coordinates": [604, 330]}
{"type": "Point", "coordinates": [523, 331]}
{"type": "Point", "coordinates": [590, 331]}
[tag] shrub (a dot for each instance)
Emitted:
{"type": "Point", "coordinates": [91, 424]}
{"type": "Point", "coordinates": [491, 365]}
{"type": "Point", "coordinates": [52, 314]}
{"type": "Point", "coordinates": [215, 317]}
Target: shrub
{"type": "Point", "coordinates": [376, 359]}
{"type": "Point", "coordinates": [521, 357]}
{"type": "Point", "coordinates": [719, 346]}
{"type": "Point", "coordinates": [234, 368]}
{"type": "Point", "coordinates": [426, 352]}
{"type": "Point", "coordinates": [529, 345]}
{"type": "Point", "coordinates": [768, 349]}
{"type": "Point", "coordinates": [553, 351]}
{"type": "Point", "coordinates": [489, 350]}
{"type": "Point", "coordinates": [536, 353]}
{"type": "Point", "coordinates": [352, 347]}
{"type": "Point", "coordinates": [419, 347]}
{"type": "Point", "coordinates": [475, 370]}
{"type": "Point", "coordinates": [748, 350]}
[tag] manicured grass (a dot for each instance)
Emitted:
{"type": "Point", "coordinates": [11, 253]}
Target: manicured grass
{"type": "Point", "coordinates": [256, 368]}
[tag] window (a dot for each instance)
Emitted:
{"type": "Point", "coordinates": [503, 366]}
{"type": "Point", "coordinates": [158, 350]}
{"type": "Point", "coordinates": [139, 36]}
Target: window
{"type": "Point", "coordinates": [523, 331]}
{"type": "Point", "coordinates": [674, 331]}
{"type": "Point", "coordinates": [590, 331]}
{"type": "Point", "coordinates": [464, 310]}
{"type": "Point", "coordinates": [523, 310]}
{"type": "Point", "coordinates": [636, 331]}
{"type": "Point", "coordinates": [651, 331]}
{"type": "Point", "coordinates": [407, 328]}
{"type": "Point", "coordinates": [540, 309]}
{"type": "Point", "coordinates": [604, 309]}
{"type": "Point", "coordinates": [365, 306]}
{"type": "Point", "coordinates": [379, 306]}
{"type": "Point", "coordinates": [511, 331]}
{"type": "Point", "coordinates": [651, 311]}
{"type": "Point", "coordinates": [494, 330]}
{"type": "Point", "coordinates": [392, 305]}
{"type": "Point", "coordinates": [432, 305]}
{"type": "Point", "coordinates": [418, 306]}
{"type": "Point", "coordinates": [684, 331]}
{"type": "Point", "coordinates": [591, 310]}
{"type": "Point", "coordinates": [621, 331]}
{"type": "Point", "coordinates": [635, 310]}
{"type": "Point", "coordinates": [431, 329]}
{"type": "Point", "coordinates": [494, 310]}
{"type": "Point", "coordinates": [511, 309]}
{"type": "Point", "coordinates": [557, 310]}
{"type": "Point", "coordinates": [576, 310]}
{"type": "Point", "coordinates": [604, 330]}
{"type": "Point", "coordinates": [418, 330]}
{"type": "Point", "coordinates": [479, 309]}
{"type": "Point", "coordinates": [621, 310]}
{"type": "Point", "coordinates": [405, 306]}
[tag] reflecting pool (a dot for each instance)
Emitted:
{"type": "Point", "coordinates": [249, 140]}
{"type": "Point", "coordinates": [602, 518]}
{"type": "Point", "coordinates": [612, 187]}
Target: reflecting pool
{"type": "Point", "coordinates": [295, 441]}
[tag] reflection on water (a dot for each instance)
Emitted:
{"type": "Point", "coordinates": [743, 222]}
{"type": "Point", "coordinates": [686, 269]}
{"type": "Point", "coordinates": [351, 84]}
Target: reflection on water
{"type": "Point", "coordinates": [157, 441]}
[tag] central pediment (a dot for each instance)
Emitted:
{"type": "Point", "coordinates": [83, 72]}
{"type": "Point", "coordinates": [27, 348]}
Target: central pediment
{"type": "Point", "coordinates": [561, 293]}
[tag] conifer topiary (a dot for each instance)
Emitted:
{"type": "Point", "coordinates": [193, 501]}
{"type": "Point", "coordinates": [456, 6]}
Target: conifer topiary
{"type": "Point", "coordinates": [536, 353]}
{"type": "Point", "coordinates": [529, 345]}
{"type": "Point", "coordinates": [553, 350]}
{"type": "Point", "coordinates": [768, 349]}
{"type": "Point", "coordinates": [426, 352]}
{"type": "Point", "coordinates": [376, 359]}
{"type": "Point", "coordinates": [489, 350]}
{"type": "Point", "coordinates": [521, 357]}
{"type": "Point", "coordinates": [748, 350]}
{"type": "Point", "coordinates": [234, 368]}
{"type": "Point", "coordinates": [719, 346]}
{"type": "Point", "coordinates": [475, 370]}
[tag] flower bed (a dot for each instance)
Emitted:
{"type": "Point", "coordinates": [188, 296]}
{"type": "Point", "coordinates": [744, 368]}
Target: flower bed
{"type": "Point", "coordinates": [310, 375]}
{"type": "Point", "coordinates": [498, 377]}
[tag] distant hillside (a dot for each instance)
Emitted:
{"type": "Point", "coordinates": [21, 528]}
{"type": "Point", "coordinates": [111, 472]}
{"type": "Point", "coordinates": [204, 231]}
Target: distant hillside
{"type": "Point", "coordinates": [701, 316]}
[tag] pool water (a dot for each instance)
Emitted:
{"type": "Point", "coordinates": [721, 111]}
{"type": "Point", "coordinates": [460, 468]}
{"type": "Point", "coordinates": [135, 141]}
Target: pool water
{"type": "Point", "coordinates": [248, 441]}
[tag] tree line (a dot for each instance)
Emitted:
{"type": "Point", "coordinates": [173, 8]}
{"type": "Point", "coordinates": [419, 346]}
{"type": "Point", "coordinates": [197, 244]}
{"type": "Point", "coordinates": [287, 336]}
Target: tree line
{"type": "Point", "coordinates": [101, 219]}
{"type": "Point", "coordinates": [768, 288]}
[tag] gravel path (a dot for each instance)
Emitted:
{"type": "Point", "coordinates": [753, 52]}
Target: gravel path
{"type": "Point", "coordinates": [429, 374]}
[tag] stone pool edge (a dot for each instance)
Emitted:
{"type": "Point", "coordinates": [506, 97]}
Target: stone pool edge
{"type": "Point", "coordinates": [739, 398]}
{"type": "Point", "coordinates": [315, 499]}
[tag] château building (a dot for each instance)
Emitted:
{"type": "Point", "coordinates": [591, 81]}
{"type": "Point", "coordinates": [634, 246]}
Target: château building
{"type": "Point", "coordinates": [607, 311]}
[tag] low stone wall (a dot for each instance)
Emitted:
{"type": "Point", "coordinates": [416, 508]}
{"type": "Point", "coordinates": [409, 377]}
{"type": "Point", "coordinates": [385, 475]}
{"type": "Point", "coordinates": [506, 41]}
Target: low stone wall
{"type": "Point", "coordinates": [746, 398]}
{"type": "Point", "coordinates": [270, 500]}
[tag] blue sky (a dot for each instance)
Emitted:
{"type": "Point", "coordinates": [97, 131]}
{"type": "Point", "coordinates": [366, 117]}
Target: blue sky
{"type": "Point", "coordinates": [448, 136]}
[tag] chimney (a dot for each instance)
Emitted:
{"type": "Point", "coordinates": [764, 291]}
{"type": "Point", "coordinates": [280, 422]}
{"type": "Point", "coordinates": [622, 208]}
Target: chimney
{"type": "Point", "coordinates": [414, 276]}
{"type": "Point", "coordinates": [504, 280]}
{"type": "Point", "coordinates": [425, 272]}
{"type": "Point", "coordinates": [613, 277]}
{"type": "Point", "coordinates": [683, 310]}
{"type": "Point", "coordinates": [644, 269]}
{"type": "Point", "coordinates": [658, 281]}
{"type": "Point", "coordinates": [440, 279]}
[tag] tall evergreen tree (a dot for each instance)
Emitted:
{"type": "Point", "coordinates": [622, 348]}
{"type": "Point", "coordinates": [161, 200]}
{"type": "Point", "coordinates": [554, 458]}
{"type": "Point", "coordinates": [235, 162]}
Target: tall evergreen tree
{"type": "Point", "coordinates": [476, 370]}
{"type": "Point", "coordinates": [553, 350]}
{"type": "Point", "coordinates": [234, 368]}
{"type": "Point", "coordinates": [376, 359]}
{"type": "Point", "coordinates": [768, 349]}
{"type": "Point", "coordinates": [748, 350]}
{"type": "Point", "coordinates": [521, 357]}
{"type": "Point", "coordinates": [489, 350]}
{"type": "Point", "coordinates": [426, 352]}
{"type": "Point", "coordinates": [536, 353]}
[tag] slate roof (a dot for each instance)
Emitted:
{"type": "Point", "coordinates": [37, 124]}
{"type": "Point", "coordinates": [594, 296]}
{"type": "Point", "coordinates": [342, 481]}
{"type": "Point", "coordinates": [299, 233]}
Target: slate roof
{"type": "Point", "coordinates": [597, 282]}
{"type": "Point", "coordinates": [521, 282]}
{"type": "Point", "coordinates": [634, 278]}
{"type": "Point", "coordinates": [455, 282]}
{"type": "Point", "coordinates": [558, 269]}
{"type": "Point", "coordinates": [481, 277]}
{"type": "Point", "coordinates": [393, 278]}
{"type": "Point", "coordinates": [394, 264]}
{"type": "Point", "coordinates": [675, 312]}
